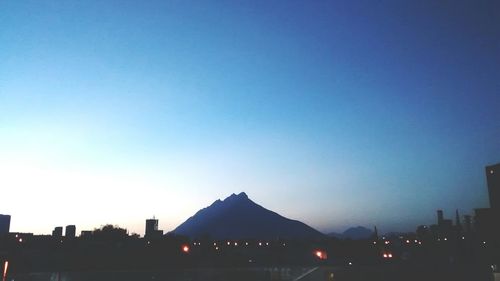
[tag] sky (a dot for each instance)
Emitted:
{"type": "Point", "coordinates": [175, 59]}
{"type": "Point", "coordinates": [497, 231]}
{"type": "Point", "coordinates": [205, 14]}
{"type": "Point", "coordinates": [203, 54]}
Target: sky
{"type": "Point", "coordinates": [335, 113]}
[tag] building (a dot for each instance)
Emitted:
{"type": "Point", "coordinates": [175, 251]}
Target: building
{"type": "Point", "coordinates": [152, 229]}
{"type": "Point", "coordinates": [21, 237]}
{"type": "Point", "coordinates": [151, 226]}
{"type": "Point", "coordinates": [4, 224]}
{"type": "Point", "coordinates": [484, 223]}
{"type": "Point", "coordinates": [487, 220]}
{"type": "Point", "coordinates": [444, 226]}
{"type": "Point", "coordinates": [440, 217]}
{"type": "Point", "coordinates": [458, 224]}
{"type": "Point", "coordinates": [423, 232]}
{"type": "Point", "coordinates": [70, 231]}
{"type": "Point", "coordinates": [86, 234]}
{"type": "Point", "coordinates": [468, 223]}
{"type": "Point", "coordinates": [493, 180]}
{"type": "Point", "coordinates": [57, 232]}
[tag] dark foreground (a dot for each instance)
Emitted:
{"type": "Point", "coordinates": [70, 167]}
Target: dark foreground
{"type": "Point", "coordinates": [321, 273]}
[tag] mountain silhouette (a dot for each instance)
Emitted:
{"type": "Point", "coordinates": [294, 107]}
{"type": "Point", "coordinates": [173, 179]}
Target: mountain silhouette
{"type": "Point", "coordinates": [238, 217]}
{"type": "Point", "coordinates": [354, 233]}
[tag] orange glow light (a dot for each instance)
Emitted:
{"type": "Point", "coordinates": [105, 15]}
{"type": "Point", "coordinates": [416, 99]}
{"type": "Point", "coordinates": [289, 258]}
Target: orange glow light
{"type": "Point", "coordinates": [5, 268]}
{"type": "Point", "coordinates": [320, 254]}
{"type": "Point", "coordinates": [185, 249]}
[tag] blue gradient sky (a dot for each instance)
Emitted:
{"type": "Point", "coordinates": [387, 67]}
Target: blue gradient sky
{"type": "Point", "coordinates": [331, 112]}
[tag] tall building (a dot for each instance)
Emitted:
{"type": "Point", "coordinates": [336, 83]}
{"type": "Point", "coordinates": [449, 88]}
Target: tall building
{"type": "Point", "coordinates": [70, 231]}
{"type": "Point", "coordinates": [152, 229]}
{"type": "Point", "coordinates": [151, 226]}
{"type": "Point", "coordinates": [440, 217]}
{"type": "Point", "coordinates": [484, 223]}
{"type": "Point", "coordinates": [493, 218]}
{"type": "Point", "coordinates": [468, 223]}
{"type": "Point", "coordinates": [4, 224]}
{"type": "Point", "coordinates": [57, 232]}
{"type": "Point", "coordinates": [458, 224]}
{"type": "Point", "coordinates": [493, 180]}
{"type": "Point", "coordinates": [444, 226]}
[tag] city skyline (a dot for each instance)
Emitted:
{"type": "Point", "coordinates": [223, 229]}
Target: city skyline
{"type": "Point", "coordinates": [336, 114]}
{"type": "Point", "coordinates": [461, 223]}
{"type": "Point", "coordinates": [152, 230]}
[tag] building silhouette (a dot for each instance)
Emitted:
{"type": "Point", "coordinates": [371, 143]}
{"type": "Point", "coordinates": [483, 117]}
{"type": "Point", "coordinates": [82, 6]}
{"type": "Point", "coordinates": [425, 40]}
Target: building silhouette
{"type": "Point", "coordinates": [57, 232]}
{"type": "Point", "coordinates": [457, 219]}
{"type": "Point", "coordinates": [468, 223]}
{"type": "Point", "coordinates": [4, 224]}
{"type": "Point", "coordinates": [85, 234]}
{"type": "Point", "coordinates": [152, 229]}
{"type": "Point", "coordinates": [484, 223]}
{"type": "Point", "coordinates": [70, 231]}
{"type": "Point", "coordinates": [440, 217]}
{"type": "Point", "coordinates": [487, 220]}
{"type": "Point", "coordinates": [444, 227]}
{"type": "Point", "coordinates": [493, 181]}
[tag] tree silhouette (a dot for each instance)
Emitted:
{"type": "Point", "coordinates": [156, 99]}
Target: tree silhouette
{"type": "Point", "coordinates": [110, 232]}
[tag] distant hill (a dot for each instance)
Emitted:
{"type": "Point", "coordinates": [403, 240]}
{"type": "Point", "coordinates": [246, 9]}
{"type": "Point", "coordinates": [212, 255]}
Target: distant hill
{"type": "Point", "coordinates": [238, 217]}
{"type": "Point", "coordinates": [354, 233]}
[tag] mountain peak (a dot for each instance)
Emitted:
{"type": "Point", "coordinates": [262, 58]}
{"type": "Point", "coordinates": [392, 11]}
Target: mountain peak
{"type": "Point", "coordinates": [355, 233]}
{"type": "Point", "coordinates": [233, 196]}
{"type": "Point", "coordinates": [239, 217]}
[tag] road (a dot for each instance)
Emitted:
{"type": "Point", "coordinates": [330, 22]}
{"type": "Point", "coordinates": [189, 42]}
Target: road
{"type": "Point", "coordinates": [392, 273]}
{"type": "Point", "coordinates": [318, 274]}
{"type": "Point", "coordinates": [322, 273]}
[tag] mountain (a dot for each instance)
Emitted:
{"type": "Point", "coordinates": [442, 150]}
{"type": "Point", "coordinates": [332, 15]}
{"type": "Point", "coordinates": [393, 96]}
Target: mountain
{"type": "Point", "coordinates": [354, 233]}
{"type": "Point", "coordinates": [238, 217]}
